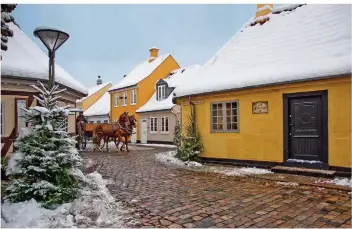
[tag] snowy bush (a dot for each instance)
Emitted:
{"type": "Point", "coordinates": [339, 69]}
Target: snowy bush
{"type": "Point", "coordinates": [40, 167]}
{"type": "Point", "coordinates": [191, 143]}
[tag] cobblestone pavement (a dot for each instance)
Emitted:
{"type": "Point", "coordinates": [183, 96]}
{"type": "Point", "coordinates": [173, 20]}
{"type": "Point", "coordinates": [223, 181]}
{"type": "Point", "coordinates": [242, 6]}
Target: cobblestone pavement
{"type": "Point", "coordinates": [164, 196]}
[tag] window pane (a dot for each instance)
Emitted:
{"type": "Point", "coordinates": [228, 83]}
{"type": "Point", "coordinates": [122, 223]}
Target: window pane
{"type": "Point", "coordinates": [234, 111]}
{"type": "Point", "coordinates": [228, 105]}
{"type": "Point", "coordinates": [220, 106]}
{"type": "Point", "coordinates": [220, 127]}
{"type": "Point", "coordinates": [214, 119]}
{"type": "Point", "coordinates": [215, 126]}
{"type": "Point", "coordinates": [234, 126]}
{"type": "Point", "coordinates": [234, 118]}
{"type": "Point", "coordinates": [228, 112]}
{"type": "Point", "coordinates": [229, 126]}
{"type": "Point", "coordinates": [228, 120]}
{"type": "Point", "coordinates": [234, 104]}
{"type": "Point", "coordinates": [214, 107]}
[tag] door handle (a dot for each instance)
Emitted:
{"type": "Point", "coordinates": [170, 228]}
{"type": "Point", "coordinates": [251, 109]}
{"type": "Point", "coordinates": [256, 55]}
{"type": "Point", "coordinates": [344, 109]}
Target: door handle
{"type": "Point", "coordinates": [291, 124]}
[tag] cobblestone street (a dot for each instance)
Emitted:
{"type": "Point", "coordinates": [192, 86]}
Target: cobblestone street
{"type": "Point", "coordinates": [167, 196]}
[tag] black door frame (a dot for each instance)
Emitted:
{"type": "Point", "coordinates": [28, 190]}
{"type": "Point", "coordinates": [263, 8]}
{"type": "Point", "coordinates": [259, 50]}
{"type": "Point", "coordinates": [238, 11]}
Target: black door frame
{"type": "Point", "coordinates": [325, 153]}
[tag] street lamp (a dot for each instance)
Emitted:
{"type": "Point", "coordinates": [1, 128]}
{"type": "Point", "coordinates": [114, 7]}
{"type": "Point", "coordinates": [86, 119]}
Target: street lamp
{"type": "Point", "coordinates": [52, 39]}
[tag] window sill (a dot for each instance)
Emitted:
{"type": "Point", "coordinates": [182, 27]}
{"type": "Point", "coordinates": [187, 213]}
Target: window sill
{"type": "Point", "coordinates": [224, 131]}
{"type": "Point", "coordinates": [124, 105]}
{"type": "Point", "coordinates": [153, 132]}
{"type": "Point", "coordinates": [116, 106]}
{"type": "Point", "coordinates": [165, 133]}
{"type": "Point", "coordinates": [133, 104]}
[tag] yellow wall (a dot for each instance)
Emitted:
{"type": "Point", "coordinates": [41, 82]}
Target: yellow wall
{"type": "Point", "coordinates": [89, 101]}
{"type": "Point", "coordinates": [145, 89]}
{"type": "Point", "coordinates": [260, 136]}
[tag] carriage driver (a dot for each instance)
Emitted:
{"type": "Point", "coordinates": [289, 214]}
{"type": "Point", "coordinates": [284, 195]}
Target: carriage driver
{"type": "Point", "coordinates": [80, 118]}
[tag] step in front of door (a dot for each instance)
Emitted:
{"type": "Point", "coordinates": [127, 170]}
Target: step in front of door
{"type": "Point", "coordinates": [304, 171]}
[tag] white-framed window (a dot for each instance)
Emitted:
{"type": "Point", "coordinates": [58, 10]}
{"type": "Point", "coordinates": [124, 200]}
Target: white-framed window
{"type": "Point", "coordinates": [165, 124]}
{"type": "Point", "coordinates": [133, 96]}
{"type": "Point", "coordinates": [153, 125]}
{"type": "Point", "coordinates": [116, 100]}
{"type": "Point", "coordinates": [2, 118]}
{"type": "Point", "coordinates": [91, 121]}
{"type": "Point", "coordinates": [124, 98]}
{"type": "Point", "coordinates": [106, 121]}
{"type": "Point", "coordinates": [161, 93]}
{"type": "Point", "coordinates": [224, 116]}
{"type": "Point", "coordinates": [98, 121]}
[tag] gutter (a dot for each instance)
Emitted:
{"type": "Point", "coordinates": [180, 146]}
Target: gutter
{"type": "Point", "coordinates": [121, 88]}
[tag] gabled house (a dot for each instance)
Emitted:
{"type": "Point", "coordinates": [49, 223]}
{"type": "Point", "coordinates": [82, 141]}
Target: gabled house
{"type": "Point", "coordinates": [279, 91]}
{"type": "Point", "coordinates": [159, 115]}
{"type": "Point", "coordinates": [96, 105]}
{"type": "Point", "coordinates": [135, 89]}
{"type": "Point", "coordinates": [22, 65]}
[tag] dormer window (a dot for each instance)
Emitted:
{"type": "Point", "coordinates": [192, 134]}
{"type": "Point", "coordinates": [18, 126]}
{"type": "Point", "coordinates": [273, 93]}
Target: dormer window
{"type": "Point", "coordinates": [161, 93]}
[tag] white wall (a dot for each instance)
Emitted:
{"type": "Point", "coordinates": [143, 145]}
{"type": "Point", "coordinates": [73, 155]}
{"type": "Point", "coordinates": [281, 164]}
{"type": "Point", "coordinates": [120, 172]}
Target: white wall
{"type": "Point", "coordinates": [97, 118]}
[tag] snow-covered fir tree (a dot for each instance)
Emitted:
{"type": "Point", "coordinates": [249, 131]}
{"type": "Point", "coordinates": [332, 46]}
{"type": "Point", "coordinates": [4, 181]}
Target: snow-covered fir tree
{"type": "Point", "coordinates": [42, 165]}
{"type": "Point", "coordinates": [191, 143]}
{"type": "Point", "coordinates": [177, 134]}
{"type": "Point", "coordinates": [6, 32]}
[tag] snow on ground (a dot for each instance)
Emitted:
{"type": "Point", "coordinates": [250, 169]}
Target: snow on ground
{"type": "Point", "coordinates": [169, 158]}
{"type": "Point", "coordinates": [338, 181]}
{"type": "Point", "coordinates": [156, 145]}
{"type": "Point", "coordinates": [132, 147]}
{"type": "Point", "coordinates": [287, 183]}
{"type": "Point", "coordinates": [303, 161]}
{"type": "Point", "coordinates": [95, 207]}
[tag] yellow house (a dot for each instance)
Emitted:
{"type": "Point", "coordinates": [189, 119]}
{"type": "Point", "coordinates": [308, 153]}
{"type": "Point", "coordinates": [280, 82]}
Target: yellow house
{"type": "Point", "coordinates": [279, 91]}
{"type": "Point", "coordinates": [94, 94]}
{"type": "Point", "coordinates": [135, 89]}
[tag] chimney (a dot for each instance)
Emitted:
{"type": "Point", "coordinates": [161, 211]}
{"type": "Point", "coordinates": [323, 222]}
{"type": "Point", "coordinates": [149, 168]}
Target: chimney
{"type": "Point", "coordinates": [99, 81]}
{"type": "Point", "coordinates": [263, 9]}
{"type": "Point", "coordinates": [154, 52]}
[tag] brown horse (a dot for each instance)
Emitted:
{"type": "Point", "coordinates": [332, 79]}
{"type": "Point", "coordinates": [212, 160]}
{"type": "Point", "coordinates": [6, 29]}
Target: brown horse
{"type": "Point", "coordinates": [126, 132]}
{"type": "Point", "coordinates": [123, 128]}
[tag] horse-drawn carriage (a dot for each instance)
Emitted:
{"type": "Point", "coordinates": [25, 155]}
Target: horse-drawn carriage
{"type": "Point", "coordinates": [118, 131]}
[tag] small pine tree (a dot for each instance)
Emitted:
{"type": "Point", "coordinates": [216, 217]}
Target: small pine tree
{"type": "Point", "coordinates": [191, 144]}
{"type": "Point", "coordinates": [177, 134]}
{"type": "Point", "coordinates": [41, 166]}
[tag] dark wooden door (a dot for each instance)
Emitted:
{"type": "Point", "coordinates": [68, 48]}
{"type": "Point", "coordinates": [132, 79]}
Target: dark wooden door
{"type": "Point", "coordinates": [306, 129]}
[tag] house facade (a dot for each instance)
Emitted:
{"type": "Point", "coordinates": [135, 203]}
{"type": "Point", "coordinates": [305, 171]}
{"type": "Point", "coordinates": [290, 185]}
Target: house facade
{"type": "Point", "coordinates": [96, 105]}
{"type": "Point", "coordinates": [159, 115]}
{"type": "Point", "coordinates": [23, 65]}
{"type": "Point", "coordinates": [279, 91]}
{"type": "Point", "coordinates": [135, 89]}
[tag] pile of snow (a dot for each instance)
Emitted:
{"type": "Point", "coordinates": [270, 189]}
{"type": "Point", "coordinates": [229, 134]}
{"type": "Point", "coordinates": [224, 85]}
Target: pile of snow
{"type": "Point", "coordinates": [140, 72]}
{"type": "Point", "coordinates": [25, 59]}
{"type": "Point", "coordinates": [347, 182]}
{"type": "Point", "coordinates": [95, 207]}
{"type": "Point", "coordinates": [170, 158]}
{"type": "Point", "coordinates": [157, 145]}
{"type": "Point", "coordinates": [310, 42]}
{"type": "Point", "coordinates": [287, 183]}
{"type": "Point", "coordinates": [239, 171]}
{"type": "Point", "coordinates": [303, 161]}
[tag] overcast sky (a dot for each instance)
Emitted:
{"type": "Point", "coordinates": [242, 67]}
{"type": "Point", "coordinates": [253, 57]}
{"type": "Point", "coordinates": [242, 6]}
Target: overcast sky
{"type": "Point", "coordinates": [110, 40]}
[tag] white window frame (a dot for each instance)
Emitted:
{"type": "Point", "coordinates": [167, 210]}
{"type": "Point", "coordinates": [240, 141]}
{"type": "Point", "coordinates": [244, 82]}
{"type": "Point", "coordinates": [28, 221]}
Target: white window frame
{"type": "Point", "coordinates": [153, 125]}
{"type": "Point", "coordinates": [223, 115]}
{"type": "Point", "coordinates": [163, 124]}
{"type": "Point", "coordinates": [124, 98]}
{"type": "Point", "coordinates": [116, 100]}
{"type": "Point", "coordinates": [3, 118]}
{"type": "Point", "coordinates": [106, 121]}
{"type": "Point", "coordinates": [133, 97]}
{"type": "Point", "coordinates": [161, 93]}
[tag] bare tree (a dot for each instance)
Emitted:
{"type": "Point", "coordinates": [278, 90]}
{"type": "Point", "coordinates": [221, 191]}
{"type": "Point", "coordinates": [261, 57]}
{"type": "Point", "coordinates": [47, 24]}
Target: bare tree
{"type": "Point", "coordinates": [6, 18]}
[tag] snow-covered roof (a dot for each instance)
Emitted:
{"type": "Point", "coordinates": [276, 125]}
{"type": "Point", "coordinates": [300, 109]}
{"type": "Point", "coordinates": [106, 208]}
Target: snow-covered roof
{"type": "Point", "coordinates": [100, 107]}
{"type": "Point", "coordinates": [94, 89]}
{"type": "Point", "coordinates": [297, 43]}
{"type": "Point", "coordinates": [25, 59]}
{"type": "Point", "coordinates": [177, 77]}
{"type": "Point", "coordinates": [139, 73]}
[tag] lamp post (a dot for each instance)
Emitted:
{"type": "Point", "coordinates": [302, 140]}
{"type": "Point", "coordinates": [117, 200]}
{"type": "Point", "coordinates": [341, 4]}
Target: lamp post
{"type": "Point", "coordinates": [52, 39]}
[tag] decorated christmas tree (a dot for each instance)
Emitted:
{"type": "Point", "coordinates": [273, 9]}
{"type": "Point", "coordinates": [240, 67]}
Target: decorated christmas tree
{"type": "Point", "coordinates": [45, 158]}
{"type": "Point", "coordinates": [191, 143]}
